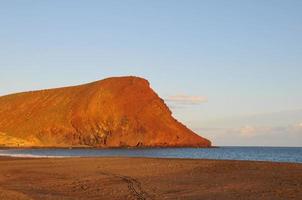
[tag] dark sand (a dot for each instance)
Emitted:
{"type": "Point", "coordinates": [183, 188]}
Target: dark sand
{"type": "Point", "coordinates": [140, 178]}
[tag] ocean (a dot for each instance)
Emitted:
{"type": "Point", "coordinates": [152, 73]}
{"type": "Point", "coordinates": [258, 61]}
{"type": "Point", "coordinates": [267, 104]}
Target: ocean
{"type": "Point", "coordinates": [273, 154]}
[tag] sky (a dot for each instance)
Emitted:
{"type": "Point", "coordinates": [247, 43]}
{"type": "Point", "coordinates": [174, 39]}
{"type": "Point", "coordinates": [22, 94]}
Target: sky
{"type": "Point", "coordinates": [229, 70]}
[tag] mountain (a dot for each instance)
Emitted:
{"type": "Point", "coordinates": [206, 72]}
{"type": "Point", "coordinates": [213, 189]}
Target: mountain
{"type": "Point", "coordinates": [114, 112]}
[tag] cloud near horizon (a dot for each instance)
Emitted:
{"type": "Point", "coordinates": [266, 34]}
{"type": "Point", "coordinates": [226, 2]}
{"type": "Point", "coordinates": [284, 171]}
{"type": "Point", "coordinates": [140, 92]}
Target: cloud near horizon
{"type": "Point", "coordinates": [186, 99]}
{"type": "Point", "coordinates": [249, 135]}
{"type": "Point", "coordinates": [282, 128]}
{"type": "Point", "coordinates": [254, 131]}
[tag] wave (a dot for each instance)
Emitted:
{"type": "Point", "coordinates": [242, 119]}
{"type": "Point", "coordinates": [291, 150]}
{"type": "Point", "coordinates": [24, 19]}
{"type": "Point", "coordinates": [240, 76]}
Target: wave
{"type": "Point", "coordinates": [31, 156]}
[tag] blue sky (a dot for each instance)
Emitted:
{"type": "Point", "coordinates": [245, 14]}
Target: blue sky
{"type": "Point", "coordinates": [230, 70]}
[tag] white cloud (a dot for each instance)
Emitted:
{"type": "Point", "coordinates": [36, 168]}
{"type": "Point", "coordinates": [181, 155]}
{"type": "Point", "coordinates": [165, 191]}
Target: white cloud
{"type": "Point", "coordinates": [254, 135]}
{"type": "Point", "coordinates": [247, 131]}
{"type": "Point", "coordinates": [186, 99]}
{"type": "Point", "coordinates": [297, 128]}
{"type": "Point", "coordinates": [253, 131]}
{"type": "Point", "coordinates": [272, 129]}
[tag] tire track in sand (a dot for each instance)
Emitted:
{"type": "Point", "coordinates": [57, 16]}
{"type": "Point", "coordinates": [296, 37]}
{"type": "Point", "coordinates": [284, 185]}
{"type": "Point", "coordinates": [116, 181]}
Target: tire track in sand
{"type": "Point", "coordinates": [134, 186]}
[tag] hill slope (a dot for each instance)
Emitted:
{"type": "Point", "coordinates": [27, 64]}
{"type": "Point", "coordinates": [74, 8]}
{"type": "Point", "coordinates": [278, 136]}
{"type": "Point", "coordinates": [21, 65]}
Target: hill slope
{"type": "Point", "coordinates": [114, 112]}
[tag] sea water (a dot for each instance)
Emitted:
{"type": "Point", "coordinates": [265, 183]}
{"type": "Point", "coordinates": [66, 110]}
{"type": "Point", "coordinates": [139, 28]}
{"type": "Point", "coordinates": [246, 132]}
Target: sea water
{"type": "Point", "coordinates": [273, 154]}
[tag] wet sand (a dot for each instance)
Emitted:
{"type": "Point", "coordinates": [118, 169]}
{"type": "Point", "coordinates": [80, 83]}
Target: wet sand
{"type": "Point", "coordinates": [143, 178]}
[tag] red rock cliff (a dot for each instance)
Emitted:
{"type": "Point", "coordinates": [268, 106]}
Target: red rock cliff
{"type": "Point", "coordinates": [114, 112]}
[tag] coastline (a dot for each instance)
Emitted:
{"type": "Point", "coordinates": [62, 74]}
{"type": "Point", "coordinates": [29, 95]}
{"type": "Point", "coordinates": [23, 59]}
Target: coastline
{"type": "Point", "coordinates": [147, 178]}
{"type": "Point", "coordinates": [266, 154]}
{"type": "Point", "coordinates": [100, 148]}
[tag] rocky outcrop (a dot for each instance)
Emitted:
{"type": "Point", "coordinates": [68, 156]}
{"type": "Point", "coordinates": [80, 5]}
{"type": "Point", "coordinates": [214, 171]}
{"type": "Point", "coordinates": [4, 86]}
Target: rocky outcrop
{"type": "Point", "coordinates": [114, 112]}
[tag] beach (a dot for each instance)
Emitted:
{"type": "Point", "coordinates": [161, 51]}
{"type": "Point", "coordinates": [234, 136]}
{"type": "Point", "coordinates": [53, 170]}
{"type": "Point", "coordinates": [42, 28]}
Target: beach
{"type": "Point", "coordinates": [146, 178]}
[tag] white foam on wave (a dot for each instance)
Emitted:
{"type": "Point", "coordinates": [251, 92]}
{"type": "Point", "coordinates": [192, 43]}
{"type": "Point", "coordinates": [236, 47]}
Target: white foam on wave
{"type": "Point", "coordinates": [31, 156]}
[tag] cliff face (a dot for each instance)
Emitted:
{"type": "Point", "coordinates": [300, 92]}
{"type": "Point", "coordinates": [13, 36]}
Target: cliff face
{"type": "Point", "coordinates": [114, 112]}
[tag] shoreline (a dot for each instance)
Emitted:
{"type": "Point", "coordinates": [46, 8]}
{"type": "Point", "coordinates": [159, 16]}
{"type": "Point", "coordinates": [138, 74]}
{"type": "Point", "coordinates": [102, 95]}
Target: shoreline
{"type": "Point", "coordinates": [147, 178]}
{"type": "Point", "coordinates": [100, 148]}
{"type": "Point", "coordinates": [140, 147]}
{"type": "Point", "coordinates": [254, 154]}
{"type": "Point", "coordinates": [137, 157]}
